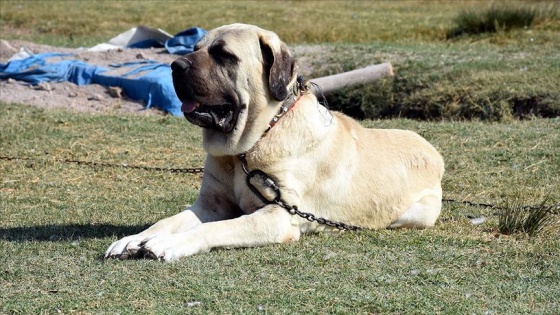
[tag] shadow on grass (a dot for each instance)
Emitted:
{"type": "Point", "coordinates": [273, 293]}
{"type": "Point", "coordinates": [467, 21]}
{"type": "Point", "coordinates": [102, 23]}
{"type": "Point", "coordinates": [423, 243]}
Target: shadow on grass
{"type": "Point", "coordinates": [55, 233]}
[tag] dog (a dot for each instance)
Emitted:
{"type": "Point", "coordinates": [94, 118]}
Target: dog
{"type": "Point", "coordinates": [279, 164]}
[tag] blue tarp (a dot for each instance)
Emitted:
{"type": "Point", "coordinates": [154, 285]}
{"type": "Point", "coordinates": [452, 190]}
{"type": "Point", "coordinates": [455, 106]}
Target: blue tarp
{"type": "Point", "coordinates": [36, 69]}
{"type": "Point", "coordinates": [147, 81]}
{"type": "Point", "coordinates": [183, 42]}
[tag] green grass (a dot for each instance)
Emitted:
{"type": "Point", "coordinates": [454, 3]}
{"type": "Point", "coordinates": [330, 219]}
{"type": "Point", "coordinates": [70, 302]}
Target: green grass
{"type": "Point", "coordinates": [84, 23]}
{"type": "Point", "coordinates": [459, 81]}
{"type": "Point", "coordinates": [499, 18]}
{"type": "Point", "coordinates": [58, 219]}
{"type": "Point", "coordinates": [77, 23]}
{"type": "Point", "coordinates": [518, 218]}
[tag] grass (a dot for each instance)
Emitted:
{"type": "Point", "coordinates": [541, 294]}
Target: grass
{"type": "Point", "coordinates": [518, 218]}
{"type": "Point", "coordinates": [85, 23]}
{"type": "Point", "coordinates": [434, 81]}
{"type": "Point", "coordinates": [57, 220]}
{"type": "Point", "coordinates": [499, 19]}
{"type": "Point", "coordinates": [77, 23]}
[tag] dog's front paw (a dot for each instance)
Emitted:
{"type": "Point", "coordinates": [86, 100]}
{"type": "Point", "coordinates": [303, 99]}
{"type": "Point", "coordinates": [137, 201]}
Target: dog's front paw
{"type": "Point", "coordinates": [127, 248]}
{"type": "Point", "coordinates": [170, 247]}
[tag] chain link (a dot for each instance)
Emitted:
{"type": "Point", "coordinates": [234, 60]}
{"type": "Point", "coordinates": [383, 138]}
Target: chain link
{"type": "Point", "coordinates": [293, 210]}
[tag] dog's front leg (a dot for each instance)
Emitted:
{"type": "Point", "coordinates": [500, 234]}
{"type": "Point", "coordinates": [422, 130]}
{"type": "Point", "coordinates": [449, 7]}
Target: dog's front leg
{"type": "Point", "coordinates": [131, 246]}
{"type": "Point", "coordinates": [268, 225]}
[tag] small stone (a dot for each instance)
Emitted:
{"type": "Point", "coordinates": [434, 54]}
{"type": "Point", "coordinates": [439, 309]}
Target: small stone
{"type": "Point", "coordinates": [329, 255]}
{"type": "Point", "coordinates": [478, 221]}
{"type": "Point", "coordinates": [43, 86]}
{"type": "Point", "coordinates": [95, 97]}
{"type": "Point", "coordinates": [481, 263]}
{"type": "Point", "coordinates": [115, 91]}
{"type": "Point", "coordinates": [192, 304]}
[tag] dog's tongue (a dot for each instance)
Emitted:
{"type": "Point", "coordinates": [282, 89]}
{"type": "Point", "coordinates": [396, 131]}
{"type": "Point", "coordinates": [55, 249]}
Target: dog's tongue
{"type": "Point", "coordinates": [189, 106]}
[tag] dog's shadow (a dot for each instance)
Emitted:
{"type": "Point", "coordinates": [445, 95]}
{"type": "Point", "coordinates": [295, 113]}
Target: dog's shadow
{"type": "Point", "coordinates": [67, 232]}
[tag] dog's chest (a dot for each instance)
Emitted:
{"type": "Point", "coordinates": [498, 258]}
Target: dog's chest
{"type": "Point", "coordinates": [244, 196]}
{"type": "Point", "coordinates": [256, 186]}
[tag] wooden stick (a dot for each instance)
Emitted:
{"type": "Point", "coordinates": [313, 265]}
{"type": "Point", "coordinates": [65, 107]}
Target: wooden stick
{"type": "Point", "coordinates": [368, 74]}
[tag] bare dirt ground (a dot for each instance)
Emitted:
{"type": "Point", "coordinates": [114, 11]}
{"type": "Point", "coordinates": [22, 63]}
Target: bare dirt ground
{"type": "Point", "coordinates": [87, 98]}
{"type": "Point", "coordinates": [91, 98]}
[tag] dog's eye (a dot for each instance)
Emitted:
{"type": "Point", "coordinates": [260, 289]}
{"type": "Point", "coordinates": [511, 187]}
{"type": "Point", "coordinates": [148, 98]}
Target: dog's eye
{"type": "Point", "coordinates": [220, 54]}
{"type": "Point", "coordinates": [225, 56]}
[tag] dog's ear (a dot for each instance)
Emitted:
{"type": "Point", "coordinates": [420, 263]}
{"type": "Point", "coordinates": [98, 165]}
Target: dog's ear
{"type": "Point", "coordinates": [279, 65]}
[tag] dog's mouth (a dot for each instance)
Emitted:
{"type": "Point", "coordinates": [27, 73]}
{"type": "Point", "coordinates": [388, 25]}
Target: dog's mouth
{"type": "Point", "coordinates": [218, 117]}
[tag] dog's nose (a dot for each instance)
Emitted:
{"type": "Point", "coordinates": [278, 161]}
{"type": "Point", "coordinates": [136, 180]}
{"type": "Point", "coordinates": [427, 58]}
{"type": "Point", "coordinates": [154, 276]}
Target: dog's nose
{"type": "Point", "coordinates": [181, 65]}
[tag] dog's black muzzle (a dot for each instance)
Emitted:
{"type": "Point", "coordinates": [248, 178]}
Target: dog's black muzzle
{"type": "Point", "coordinates": [216, 114]}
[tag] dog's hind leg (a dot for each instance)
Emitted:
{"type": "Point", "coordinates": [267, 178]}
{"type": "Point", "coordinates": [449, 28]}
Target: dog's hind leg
{"type": "Point", "coordinates": [423, 213]}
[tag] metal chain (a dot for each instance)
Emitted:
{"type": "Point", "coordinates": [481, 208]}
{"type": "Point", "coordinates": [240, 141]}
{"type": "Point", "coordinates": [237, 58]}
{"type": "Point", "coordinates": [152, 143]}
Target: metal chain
{"type": "Point", "coordinates": [195, 170]}
{"type": "Point", "coordinates": [491, 206]}
{"type": "Point", "coordinates": [312, 218]}
{"type": "Point", "coordinates": [293, 210]}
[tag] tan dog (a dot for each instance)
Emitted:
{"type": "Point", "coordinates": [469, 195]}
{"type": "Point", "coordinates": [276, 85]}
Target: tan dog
{"type": "Point", "coordinates": [239, 82]}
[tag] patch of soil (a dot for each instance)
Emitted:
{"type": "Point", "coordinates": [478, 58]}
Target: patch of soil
{"type": "Point", "coordinates": [91, 98]}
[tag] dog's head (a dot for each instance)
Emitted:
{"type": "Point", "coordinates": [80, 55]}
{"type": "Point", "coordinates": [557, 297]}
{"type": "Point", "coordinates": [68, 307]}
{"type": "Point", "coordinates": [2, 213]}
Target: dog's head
{"type": "Point", "coordinates": [233, 84]}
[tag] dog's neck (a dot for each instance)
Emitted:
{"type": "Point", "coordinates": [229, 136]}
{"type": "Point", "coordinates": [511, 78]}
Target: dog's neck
{"type": "Point", "coordinates": [299, 88]}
